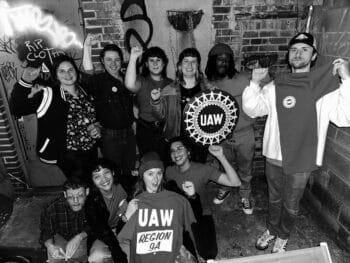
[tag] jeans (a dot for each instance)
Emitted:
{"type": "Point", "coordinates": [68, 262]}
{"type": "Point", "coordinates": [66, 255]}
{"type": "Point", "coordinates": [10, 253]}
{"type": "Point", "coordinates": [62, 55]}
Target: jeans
{"type": "Point", "coordinates": [239, 151]}
{"type": "Point", "coordinates": [285, 192]}
{"type": "Point", "coordinates": [119, 146]}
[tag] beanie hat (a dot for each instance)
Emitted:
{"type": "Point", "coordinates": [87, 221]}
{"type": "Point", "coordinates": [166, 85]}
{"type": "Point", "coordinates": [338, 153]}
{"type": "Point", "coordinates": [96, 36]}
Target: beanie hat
{"type": "Point", "coordinates": [219, 49]}
{"type": "Point", "coordinates": [305, 38]}
{"type": "Point", "coordinates": [148, 161]}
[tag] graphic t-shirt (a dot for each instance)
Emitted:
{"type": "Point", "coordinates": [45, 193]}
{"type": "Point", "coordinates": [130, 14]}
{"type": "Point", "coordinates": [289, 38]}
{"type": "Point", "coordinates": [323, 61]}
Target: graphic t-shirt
{"type": "Point", "coordinates": [155, 231]}
{"type": "Point", "coordinates": [198, 173]}
{"type": "Point", "coordinates": [188, 94]}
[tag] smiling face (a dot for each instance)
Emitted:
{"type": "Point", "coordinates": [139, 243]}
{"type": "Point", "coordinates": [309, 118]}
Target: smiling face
{"type": "Point", "coordinates": [189, 67]}
{"type": "Point", "coordinates": [103, 179]}
{"type": "Point", "coordinates": [76, 198]}
{"type": "Point", "coordinates": [155, 65]}
{"type": "Point", "coordinates": [300, 57]}
{"type": "Point", "coordinates": [153, 179]}
{"type": "Point", "coordinates": [112, 62]}
{"type": "Point", "coordinates": [179, 153]}
{"type": "Point", "coordinates": [66, 74]}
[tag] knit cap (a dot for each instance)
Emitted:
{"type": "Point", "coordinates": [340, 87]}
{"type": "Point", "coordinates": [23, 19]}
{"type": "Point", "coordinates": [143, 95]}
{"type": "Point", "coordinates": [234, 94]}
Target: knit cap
{"type": "Point", "coordinates": [148, 161]}
{"type": "Point", "coordinates": [305, 38]}
{"type": "Point", "coordinates": [219, 49]}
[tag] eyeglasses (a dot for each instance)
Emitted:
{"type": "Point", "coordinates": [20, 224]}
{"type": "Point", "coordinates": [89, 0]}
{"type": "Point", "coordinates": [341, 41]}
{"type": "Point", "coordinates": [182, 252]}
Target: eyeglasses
{"type": "Point", "coordinates": [74, 197]}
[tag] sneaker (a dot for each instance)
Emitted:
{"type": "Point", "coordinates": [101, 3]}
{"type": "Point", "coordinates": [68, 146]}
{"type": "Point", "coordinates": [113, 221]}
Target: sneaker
{"type": "Point", "coordinates": [264, 240]}
{"type": "Point", "coordinates": [279, 246]}
{"type": "Point", "coordinates": [221, 196]}
{"type": "Point", "coordinates": [247, 206]}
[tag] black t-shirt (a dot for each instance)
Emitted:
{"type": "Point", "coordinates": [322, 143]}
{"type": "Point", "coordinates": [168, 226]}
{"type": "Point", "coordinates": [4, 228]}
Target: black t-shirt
{"type": "Point", "coordinates": [187, 94]}
{"type": "Point", "coordinates": [112, 101]}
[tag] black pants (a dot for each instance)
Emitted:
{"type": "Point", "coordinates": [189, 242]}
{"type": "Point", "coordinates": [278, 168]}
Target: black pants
{"type": "Point", "coordinates": [205, 237]}
{"type": "Point", "coordinates": [78, 163]}
{"type": "Point", "coordinates": [149, 136]}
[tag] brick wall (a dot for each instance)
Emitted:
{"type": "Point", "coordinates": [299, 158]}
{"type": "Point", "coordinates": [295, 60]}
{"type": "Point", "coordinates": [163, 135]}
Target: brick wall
{"type": "Point", "coordinates": [329, 188]}
{"type": "Point", "coordinates": [258, 28]}
{"type": "Point", "coordinates": [103, 17]}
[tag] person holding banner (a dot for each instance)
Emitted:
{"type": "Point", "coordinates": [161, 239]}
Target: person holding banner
{"type": "Point", "coordinates": [299, 107]}
{"type": "Point", "coordinates": [156, 231]}
{"type": "Point", "coordinates": [168, 104]}
{"type": "Point", "coordinates": [67, 126]}
{"type": "Point", "coordinates": [240, 145]}
{"type": "Point", "coordinates": [184, 172]}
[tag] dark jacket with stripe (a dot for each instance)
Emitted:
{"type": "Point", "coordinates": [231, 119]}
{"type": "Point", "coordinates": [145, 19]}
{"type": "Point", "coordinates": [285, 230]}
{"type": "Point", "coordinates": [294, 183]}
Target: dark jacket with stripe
{"type": "Point", "coordinates": [51, 109]}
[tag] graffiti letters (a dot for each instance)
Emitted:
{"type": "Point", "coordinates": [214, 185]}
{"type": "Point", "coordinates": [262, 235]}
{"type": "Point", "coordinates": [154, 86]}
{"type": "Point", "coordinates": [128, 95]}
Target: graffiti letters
{"type": "Point", "coordinates": [6, 46]}
{"type": "Point", "coordinates": [8, 71]}
{"type": "Point", "coordinates": [37, 51]}
{"type": "Point", "coordinates": [29, 17]}
{"type": "Point", "coordinates": [132, 32]}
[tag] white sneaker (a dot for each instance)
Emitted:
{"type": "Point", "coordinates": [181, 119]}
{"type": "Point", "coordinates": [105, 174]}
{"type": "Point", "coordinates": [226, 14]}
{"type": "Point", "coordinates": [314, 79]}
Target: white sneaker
{"type": "Point", "coordinates": [247, 206]}
{"type": "Point", "coordinates": [263, 241]}
{"type": "Point", "coordinates": [280, 245]}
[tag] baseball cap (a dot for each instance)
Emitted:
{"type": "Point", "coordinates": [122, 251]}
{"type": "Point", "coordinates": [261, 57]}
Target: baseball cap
{"type": "Point", "coordinates": [305, 38]}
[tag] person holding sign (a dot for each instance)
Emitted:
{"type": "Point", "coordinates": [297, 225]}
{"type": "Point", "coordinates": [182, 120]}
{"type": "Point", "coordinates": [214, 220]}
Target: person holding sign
{"type": "Point", "coordinates": [239, 146]}
{"type": "Point", "coordinates": [63, 225]}
{"type": "Point", "coordinates": [169, 103]}
{"type": "Point", "coordinates": [184, 172]}
{"type": "Point", "coordinates": [155, 232]}
{"type": "Point", "coordinates": [67, 125]}
{"type": "Point", "coordinates": [149, 131]}
{"type": "Point", "coordinates": [299, 107]}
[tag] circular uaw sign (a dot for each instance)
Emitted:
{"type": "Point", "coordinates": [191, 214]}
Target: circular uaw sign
{"type": "Point", "coordinates": [210, 116]}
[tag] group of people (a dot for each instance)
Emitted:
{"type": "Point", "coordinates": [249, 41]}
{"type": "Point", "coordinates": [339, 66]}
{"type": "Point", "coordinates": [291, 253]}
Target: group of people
{"type": "Point", "coordinates": [163, 213]}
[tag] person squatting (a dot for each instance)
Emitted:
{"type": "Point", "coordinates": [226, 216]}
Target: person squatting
{"type": "Point", "coordinates": [110, 210]}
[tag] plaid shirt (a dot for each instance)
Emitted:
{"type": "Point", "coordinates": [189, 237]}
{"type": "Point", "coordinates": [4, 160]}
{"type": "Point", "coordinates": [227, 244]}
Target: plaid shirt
{"type": "Point", "coordinates": [58, 218]}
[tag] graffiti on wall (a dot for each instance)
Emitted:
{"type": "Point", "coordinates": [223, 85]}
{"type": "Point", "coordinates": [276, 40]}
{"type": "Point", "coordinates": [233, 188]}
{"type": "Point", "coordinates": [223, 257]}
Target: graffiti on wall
{"type": "Point", "coordinates": [36, 51]}
{"type": "Point", "coordinates": [131, 32]}
{"type": "Point", "coordinates": [8, 71]}
{"type": "Point", "coordinates": [24, 18]}
{"type": "Point", "coordinates": [6, 45]}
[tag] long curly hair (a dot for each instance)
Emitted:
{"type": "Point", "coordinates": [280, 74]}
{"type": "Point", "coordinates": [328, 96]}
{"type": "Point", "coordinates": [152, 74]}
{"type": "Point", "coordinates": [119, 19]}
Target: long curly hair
{"type": "Point", "coordinates": [210, 69]}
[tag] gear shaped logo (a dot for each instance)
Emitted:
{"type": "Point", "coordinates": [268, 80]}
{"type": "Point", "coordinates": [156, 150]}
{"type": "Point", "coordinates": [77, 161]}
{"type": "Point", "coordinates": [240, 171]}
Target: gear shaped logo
{"type": "Point", "coordinates": [210, 117]}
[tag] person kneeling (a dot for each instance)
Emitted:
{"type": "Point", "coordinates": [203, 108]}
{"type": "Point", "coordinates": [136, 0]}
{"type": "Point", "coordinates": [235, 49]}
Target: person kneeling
{"type": "Point", "coordinates": [63, 224]}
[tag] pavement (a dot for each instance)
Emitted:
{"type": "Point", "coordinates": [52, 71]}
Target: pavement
{"type": "Point", "coordinates": [237, 232]}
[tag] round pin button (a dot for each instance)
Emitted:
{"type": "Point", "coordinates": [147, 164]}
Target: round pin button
{"type": "Point", "coordinates": [114, 89]}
